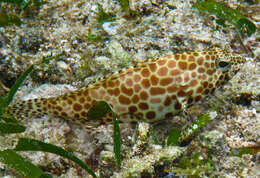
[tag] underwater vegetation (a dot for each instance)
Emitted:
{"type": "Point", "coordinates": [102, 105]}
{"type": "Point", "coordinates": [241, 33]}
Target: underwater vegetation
{"type": "Point", "coordinates": [103, 16]}
{"type": "Point", "coordinates": [225, 13]}
{"type": "Point", "coordinates": [7, 19]}
{"type": "Point", "coordinates": [126, 8]}
{"type": "Point", "coordinates": [177, 137]}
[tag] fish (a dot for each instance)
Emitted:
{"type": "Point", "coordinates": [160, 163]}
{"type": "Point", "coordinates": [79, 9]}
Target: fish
{"type": "Point", "coordinates": [150, 91]}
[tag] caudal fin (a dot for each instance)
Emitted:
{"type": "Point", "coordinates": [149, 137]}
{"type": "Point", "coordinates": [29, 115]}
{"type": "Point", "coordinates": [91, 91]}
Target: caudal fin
{"type": "Point", "coordinates": [27, 108]}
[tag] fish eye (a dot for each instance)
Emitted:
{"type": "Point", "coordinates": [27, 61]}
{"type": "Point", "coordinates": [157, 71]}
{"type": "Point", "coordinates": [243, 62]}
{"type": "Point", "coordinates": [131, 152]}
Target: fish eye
{"type": "Point", "coordinates": [224, 65]}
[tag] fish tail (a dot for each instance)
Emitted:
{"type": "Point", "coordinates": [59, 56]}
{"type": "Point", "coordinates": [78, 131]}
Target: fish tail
{"type": "Point", "coordinates": [28, 108]}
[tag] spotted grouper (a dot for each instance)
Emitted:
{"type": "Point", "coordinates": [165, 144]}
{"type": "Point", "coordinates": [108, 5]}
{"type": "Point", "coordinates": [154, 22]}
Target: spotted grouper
{"type": "Point", "coordinates": [150, 91]}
